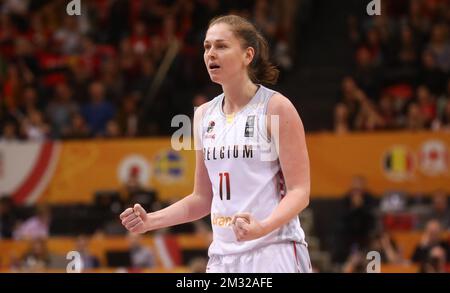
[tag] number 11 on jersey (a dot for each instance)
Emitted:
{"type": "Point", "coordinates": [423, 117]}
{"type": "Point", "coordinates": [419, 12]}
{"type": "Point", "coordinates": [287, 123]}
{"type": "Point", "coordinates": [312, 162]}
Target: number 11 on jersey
{"type": "Point", "coordinates": [227, 185]}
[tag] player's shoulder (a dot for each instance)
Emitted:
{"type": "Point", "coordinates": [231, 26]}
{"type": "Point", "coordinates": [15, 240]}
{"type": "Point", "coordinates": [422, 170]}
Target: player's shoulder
{"type": "Point", "coordinates": [279, 104]}
{"type": "Point", "coordinates": [205, 109]}
{"type": "Point", "coordinates": [210, 107]}
{"type": "Point", "coordinates": [200, 109]}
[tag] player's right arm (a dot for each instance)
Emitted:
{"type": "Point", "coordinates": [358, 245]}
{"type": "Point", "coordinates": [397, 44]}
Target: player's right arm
{"type": "Point", "coordinates": [193, 207]}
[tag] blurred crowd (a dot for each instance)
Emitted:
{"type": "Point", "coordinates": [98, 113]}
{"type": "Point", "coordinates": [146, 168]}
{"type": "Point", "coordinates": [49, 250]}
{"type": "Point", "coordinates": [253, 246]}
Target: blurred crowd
{"type": "Point", "coordinates": [96, 75]}
{"type": "Point", "coordinates": [401, 71]}
{"type": "Point", "coordinates": [368, 221]}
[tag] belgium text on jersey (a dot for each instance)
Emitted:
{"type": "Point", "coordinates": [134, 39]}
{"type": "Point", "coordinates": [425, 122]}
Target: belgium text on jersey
{"type": "Point", "coordinates": [228, 152]}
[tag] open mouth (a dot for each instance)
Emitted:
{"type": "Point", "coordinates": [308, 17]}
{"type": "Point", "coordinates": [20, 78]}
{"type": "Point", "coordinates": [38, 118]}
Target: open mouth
{"type": "Point", "coordinates": [213, 66]}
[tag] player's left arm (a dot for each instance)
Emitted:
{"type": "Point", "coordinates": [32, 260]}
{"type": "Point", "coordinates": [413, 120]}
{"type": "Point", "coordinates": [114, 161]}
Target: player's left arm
{"type": "Point", "coordinates": [294, 161]}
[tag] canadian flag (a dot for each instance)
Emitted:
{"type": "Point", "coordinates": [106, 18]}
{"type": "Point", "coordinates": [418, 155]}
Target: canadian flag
{"type": "Point", "coordinates": [434, 158]}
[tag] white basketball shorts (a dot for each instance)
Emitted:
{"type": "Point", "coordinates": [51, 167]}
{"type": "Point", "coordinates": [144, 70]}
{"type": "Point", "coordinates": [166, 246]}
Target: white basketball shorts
{"type": "Point", "coordinates": [285, 257]}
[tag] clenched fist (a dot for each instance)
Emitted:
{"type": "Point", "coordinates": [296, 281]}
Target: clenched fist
{"type": "Point", "coordinates": [134, 219]}
{"type": "Point", "coordinates": [246, 227]}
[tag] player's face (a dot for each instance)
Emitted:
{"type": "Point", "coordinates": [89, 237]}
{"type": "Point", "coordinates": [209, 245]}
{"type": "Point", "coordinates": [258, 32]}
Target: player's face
{"type": "Point", "coordinates": [224, 57]}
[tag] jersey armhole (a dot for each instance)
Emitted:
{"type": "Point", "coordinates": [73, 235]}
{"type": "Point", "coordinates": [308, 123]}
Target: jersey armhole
{"type": "Point", "coordinates": [199, 126]}
{"type": "Point", "coordinates": [264, 129]}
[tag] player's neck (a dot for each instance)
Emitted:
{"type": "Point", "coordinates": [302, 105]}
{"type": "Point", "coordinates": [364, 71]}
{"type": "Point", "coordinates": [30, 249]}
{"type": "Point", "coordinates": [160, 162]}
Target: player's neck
{"type": "Point", "coordinates": [238, 94]}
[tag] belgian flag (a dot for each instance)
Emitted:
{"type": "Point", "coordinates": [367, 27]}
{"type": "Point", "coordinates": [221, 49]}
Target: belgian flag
{"type": "Point", "coordinates": [398, 161]}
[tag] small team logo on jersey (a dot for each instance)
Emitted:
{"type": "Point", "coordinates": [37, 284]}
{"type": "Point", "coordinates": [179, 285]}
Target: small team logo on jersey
{"type": "Point", "coordinates": [250, 126]}
{"type": "Point", "coordinates": [209, 130]}
{"type": "Point", "coordinates": [211, 126]}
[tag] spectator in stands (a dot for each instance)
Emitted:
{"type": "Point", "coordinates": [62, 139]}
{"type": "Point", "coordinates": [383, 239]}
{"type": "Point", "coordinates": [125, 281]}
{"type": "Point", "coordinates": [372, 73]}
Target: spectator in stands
{"type": "Point", "coordinates": [442, 100]}
{"type": "Point", "coordinates": [367, 72]}
{"type": "Point", "coordinates": [368, 118]}
{"type": "Point", "coordinates": [341, 119]}
{"type": "Point", "coordinates": [89, 261]}
{"type": "Point", "coordinates": [128, 117]}
{"type": "Point", "coordinates": [9, 132]}
{"type": "Point", "coordinates": [358, 220]}
{"type": "Point", "coordinates": [427, 104]}
{"type": "Point", "coordinates": [68, 37]}
{"type": "Point", "coordinates": [34, 127]}
{"type": "Point", "coordinates": [430, 74]}
{"type": "Point", "coordinates": [36, 226]}
{"type": "Point", "coordinates": [7, 217]}
{"type": "Point", "coordinates": [435, 261]}
{"type": "Point", "coordinates": [439, 46]}
{"type": "Point", "coordinates": [99, 111]}
{"type": "Point", "coordinates": [446, 94]}
{"type": "Point", "coordinates": [134, 191]}
{"type": "Point", "coordinates": [141, 256]}
{"type": "Point", "coordinates": [139, 39]}
{"type": "Point", "coordinates": [37, 257]}
{"type": "Point", "coordinates": [439, 210]}
{"type": "Point", "coordinates": [387, 112]}
{"type": "Point", "coordinates": [80, 78]}
{"type": "Point", "coordinates": [374, 45]}
{"type": "Point", "coordinates": [61, 109]}
{"type": "Point", "coordinates": [408, 53]}
{"type": "Point", "coordinates": [112, 129]}
{"type": "Point", "coordinates": [415, 120]}
{"type": "Point", "coordinates": [144, 81]}
{"type": "Point", "coordinates": [29, 102]}
{"type": "Point", "coordinates": [78, 128]}
{"type": "Point", "coordinates": [444, 122]}
{"type": "Point", "coordinates": [264, 20]}
{"type": "Point", "coordinates": [417, 18]}
{"type": "Point", "coordinates": [113, 80]}
{"type": "Point", "coordinates": [387, 247]}
{"type": "Point", "coordinates": [355, 262]}
{"type": "Point", "coordinates": [350, 96]}
{"type": "Point", "coordinates": [431, 238]}
{"type": "Point", "coordinates": [131, 186]}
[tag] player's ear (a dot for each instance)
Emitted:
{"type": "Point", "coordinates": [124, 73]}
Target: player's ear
{"type": "Point", "coordinates": [249, 55]}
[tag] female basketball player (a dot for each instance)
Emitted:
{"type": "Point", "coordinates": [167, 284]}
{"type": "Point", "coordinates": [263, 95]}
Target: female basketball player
{"type": "Point", "coordinates": [254, 201]}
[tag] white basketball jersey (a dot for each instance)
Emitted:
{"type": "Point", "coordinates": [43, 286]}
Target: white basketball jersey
{"type": "Point", "coordinates": [243, 177]}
